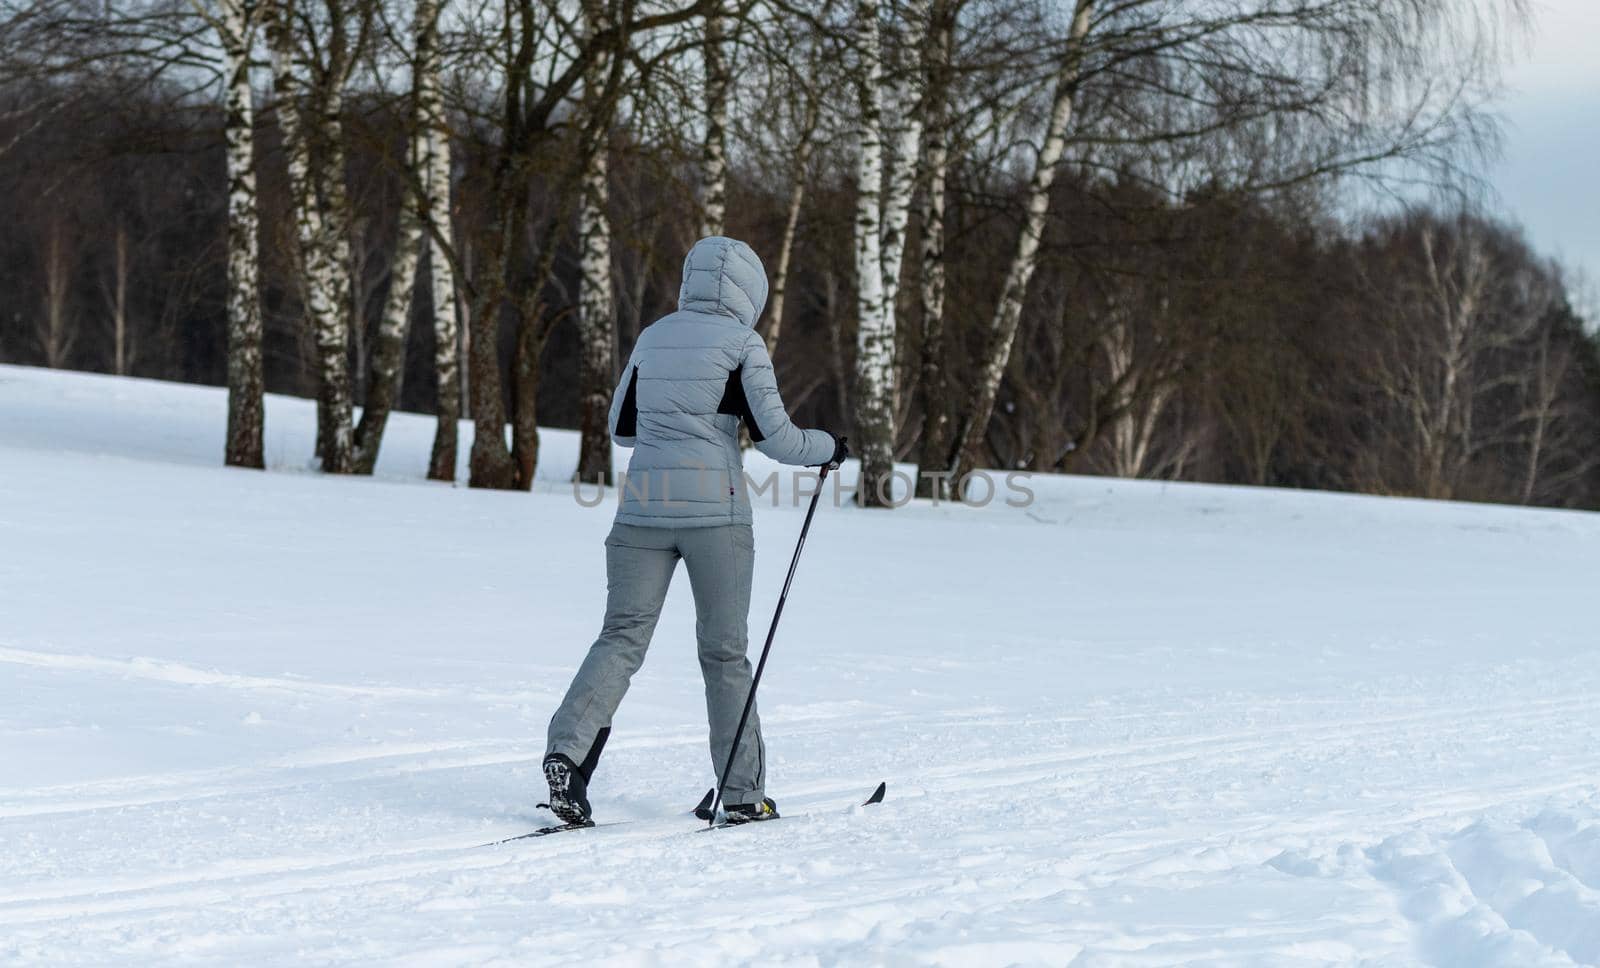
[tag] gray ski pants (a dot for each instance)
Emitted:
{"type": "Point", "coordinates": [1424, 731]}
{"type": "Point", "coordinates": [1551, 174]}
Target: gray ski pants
{"type": "Point", "coordinates": [639, 566]}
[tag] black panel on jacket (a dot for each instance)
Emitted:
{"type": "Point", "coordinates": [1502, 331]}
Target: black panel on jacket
{"type": "Point", "coordinates": [628, 419]}
{"type": "Point", "coordinates": [734, 402]}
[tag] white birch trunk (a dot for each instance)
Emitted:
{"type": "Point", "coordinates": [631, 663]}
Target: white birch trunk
{"type": "Point", "coordinates": [1131, 436]}
{"type": "Point", "coordinates": [333, 343]}
{"type": "Point", "coordinates": [395, 325]}
{"type": "Point", "coordinates": [416, 210]}
{"type": "Point", "coordinates": [363, 252]}
{"type": "Point", "coordinates": [1545, 391]}
{"type": "Point", "coordinates": [388, 354]}
{"type": "Point", "coordinates": [714, 153]}
{"type": "Point", "coordinates": [1458, 280]}
{"type": "Point", "coordinates": [874, 344]}
{"type": "Point", "coordinates": [886, 181]}
{"type": "Point", "coordinates": [57, 334]}
{"type": "Point", "coordinates": [597, 327]}
{"type": "Point", "coordinates": [780, 272]}
{"type": "Point", "coordinates": [791, 225]}
{"type": "Point", "coordinates": [934, 456]}
{"type": "Point", "coordinates": [435, 173]}
{"type": "Point", "coordinates": [235, 22]}
{"type": "Point", "coordinates": [119, 302]}
{"type": "Point", "coordinates": [303, 120]}
{"type": "Point", "coordinates": [904, 132]}
{"type": "Point", "coordinates": [1008, 312]}
{"type": "Point", "coordinates": [596, 314]}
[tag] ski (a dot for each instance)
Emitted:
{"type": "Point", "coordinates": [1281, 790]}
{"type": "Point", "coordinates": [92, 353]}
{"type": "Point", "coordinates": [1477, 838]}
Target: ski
{"type": "Point", "coordinates": [705, 814]}
{"type": "Point", "coordinates": [561, 828]}
{"type": "Point", "coordinates": [701, 810]}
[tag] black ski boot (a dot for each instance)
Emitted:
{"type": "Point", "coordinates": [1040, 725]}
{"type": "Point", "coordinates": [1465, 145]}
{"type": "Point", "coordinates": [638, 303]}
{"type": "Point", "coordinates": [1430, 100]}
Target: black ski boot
{"type": "Point", "coordinates": [569, 792]}
{"type": "Point", "coordinates": [751, 812]}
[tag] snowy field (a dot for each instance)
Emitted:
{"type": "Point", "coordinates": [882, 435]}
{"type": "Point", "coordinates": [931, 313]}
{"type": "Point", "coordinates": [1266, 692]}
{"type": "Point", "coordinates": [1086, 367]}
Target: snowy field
{"type": "Point", "coordinates": [255, 718]}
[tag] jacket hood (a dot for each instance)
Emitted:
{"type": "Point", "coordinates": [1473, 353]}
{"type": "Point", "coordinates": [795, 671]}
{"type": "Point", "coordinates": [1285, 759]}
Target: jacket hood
{"type": "Point", "coordinates": [723, 276]}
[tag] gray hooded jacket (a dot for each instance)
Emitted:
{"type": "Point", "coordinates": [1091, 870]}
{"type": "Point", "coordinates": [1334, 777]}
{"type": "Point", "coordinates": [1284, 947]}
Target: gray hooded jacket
{"type": "Point", "coordinates": [692, 376]}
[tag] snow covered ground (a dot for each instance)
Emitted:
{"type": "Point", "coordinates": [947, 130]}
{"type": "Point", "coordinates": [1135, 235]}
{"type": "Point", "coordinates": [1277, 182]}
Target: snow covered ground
{"type": "Point", "coordinates": [255, 718]}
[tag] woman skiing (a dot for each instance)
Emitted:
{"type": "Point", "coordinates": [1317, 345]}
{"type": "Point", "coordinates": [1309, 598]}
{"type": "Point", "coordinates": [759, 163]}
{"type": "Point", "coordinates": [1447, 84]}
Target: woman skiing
{"type": "Point", "coordinates": [694, 374]}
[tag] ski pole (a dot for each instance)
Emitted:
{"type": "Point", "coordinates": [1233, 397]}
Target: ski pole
{"type": "Point", "coordinates": [750, 700]}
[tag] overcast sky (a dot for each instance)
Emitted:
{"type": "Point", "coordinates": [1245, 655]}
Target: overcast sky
{"type": "Point", "coordinates": [1549, 178]}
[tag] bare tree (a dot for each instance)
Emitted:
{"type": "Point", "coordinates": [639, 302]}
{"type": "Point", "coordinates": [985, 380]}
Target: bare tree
{"type": "Point", "coordinates": [784, 121]}
{"type": "Point", "coordinates": [1140, 399]}
{"type": "Point", "coordinates": [1557, 430]}
{"type": "Point", "coordinates": [1131, 252]}
{"type": "Point", "coordinates": [235, 23]}
{"type": "Point", "coordinates": [889, 130]}
{"type": "Point", "coordinates": [1440, 402]}
{"type": "Point", "coordinates": [804, 149]}
{"type": "Point", "coordinates": [874, 424]}
{"type": "Point", "coordinates": [116, 293]}
{"type": "Point", "coordinates": [1457, 305]}
{"type": "Point", "coordinates": [312, 61]}
{"type": "Point", "coordinates": [937, 52]}
{"type": "Point", "coordinates": [1254, 94]}
{"type": "Point", "coordinates": [388, 353]}
{"type": "Point", "coordinates": [57, 330]}
{"type": "Point", "coordinates": [714, 151]}
{"type": "Point", "coordinates": [1543, 409]}
{"type": "Point", "coordinates": [434, 168]}
{"type": "Point", "coordinates": [415, 214]}
{"type": "Point", "coordinates": [527, 123]}
{"type": "Point", "coordinates": [597, 325]}
{"type": "Point", "coordinates": [1008, 310]}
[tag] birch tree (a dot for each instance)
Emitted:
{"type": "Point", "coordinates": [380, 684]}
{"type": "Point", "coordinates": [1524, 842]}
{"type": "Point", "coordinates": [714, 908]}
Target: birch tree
{"type": "Point", "coordinates": [1543, 407]}
{"type": "Point", "coordinates": [57, 327]}
{"type": "Point", "coordinates": [527, 124]}
{"type": "Point", "coordinates": [235, 23]}
{"type": "Point", "coordinates": [1253, 95]}
{"type": "Point", "coordinates": [414, 214]}
{"type": "Point", "coordinates": [309, 76]}
{"type": "Point", "coordinates": [1008, 310]}
{"type": "Point", "coordinates": [1440, 400]}
{"type": "Point", "coordinates": [596, 312]}
{"type": "Point", "coordinates": [714, 151]}
{"type": "Point", "coordinates": [1557, 432]}
{"type": "Point", "coordinates": [1139, 400]}
{"type": "Point", "coordinates": [875, 346]}
{"type": "Point", "coordinates": [116, 292]}
{"type": "Point", "coordinates": [1458, 360]}
{"type": "Point", "coordinates": [433, 168]}
{"type": "Point", "coordinates": [491, 464]}
{"type": "Point", "coordinates": [785, 123]}
{"type": "Point", "coordinates": [938, 44]}
{"type": "Point", "coordinates": [1186, 127]}
{"type": "Point", "coordinates": [805, 146]}
{"type": "Point", "coordinates": [388, 352]}
{"type": "Point", "coordinates": [885, 180]}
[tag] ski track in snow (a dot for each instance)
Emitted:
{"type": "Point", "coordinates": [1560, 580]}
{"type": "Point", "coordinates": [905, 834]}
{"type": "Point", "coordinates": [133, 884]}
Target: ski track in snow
{"type": "Point", "coordinates": [1133, 725]}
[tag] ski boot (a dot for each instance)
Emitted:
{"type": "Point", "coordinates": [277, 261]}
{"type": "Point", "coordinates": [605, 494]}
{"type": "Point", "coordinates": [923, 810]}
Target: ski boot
{"type": "Point", "coordinates": [569, 793]}
{"type": "Point", "coordinates": [751, 812]}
